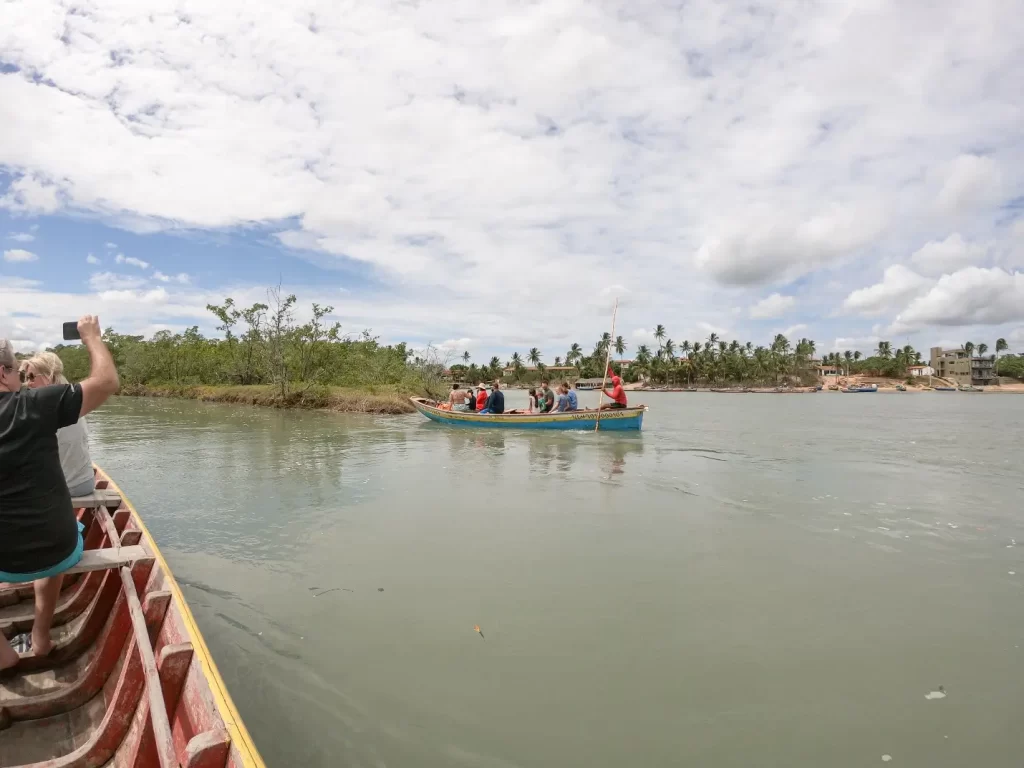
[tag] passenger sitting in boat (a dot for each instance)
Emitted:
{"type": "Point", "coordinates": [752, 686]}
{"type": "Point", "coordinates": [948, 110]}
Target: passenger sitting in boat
{"type": "Point", "coordinates": [531, 406]}
{"type": "Point", "coordinates": [617, 395]}
{"type": "Point", "coordinates": [496, 402]}
{"type": "Point", "coordinates": [563, 399]}
{"type": "Point", "coordinates": [73, 442]}
{"type": "Point", "coordinates": [546, 398]}
{"type": "Point", "coordinates": [481, 397]}
{"type": "Point", "coordinates": [457, 399]}
{"type": "Point", "coordinates": [574, 403]}
{"type": "Point", "coordinates": [39, 535]}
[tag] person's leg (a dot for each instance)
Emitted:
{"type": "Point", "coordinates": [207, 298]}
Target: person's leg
{"type": "Point", "coordinates": [47, 591]}
{"type": "Point", "coordinates": [8, 656]}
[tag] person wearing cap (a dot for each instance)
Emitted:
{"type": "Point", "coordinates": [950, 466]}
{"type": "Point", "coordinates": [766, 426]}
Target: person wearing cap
{"type": "Point", "coordinates": [481, 397]}
{"type": "Point", "coordinates": [617, 395]}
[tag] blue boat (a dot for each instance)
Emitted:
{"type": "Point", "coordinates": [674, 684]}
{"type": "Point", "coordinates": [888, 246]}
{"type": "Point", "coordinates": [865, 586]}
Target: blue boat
{"type": "Point", "coordinates": [865, 388]}
{"type": "Point", "coordinates": [944, 389]}
{"type": "Point", "coordinates": [611, 420]}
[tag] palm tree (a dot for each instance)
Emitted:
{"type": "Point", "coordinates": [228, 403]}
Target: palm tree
{"type": "Point", "coordinates": [534, 356]}
{"type": "Point", "coordinates": [669, 350]}
{"type": "Point", "coordinates": [659, 333]}
{"type": "Point", "coordinates": [574, 355]}
{"type": "Point", "coordinates": [558, 362]}
{"type": "Point", "coordinates": [1001, 346]}
{"type": "Point", "coordinates": [517, 363]}
{"type": "Point", "coordinates": [884, 350]}
{"type": "Point", "coordinates": [848, 356]}
{"type": "Point", "coordinates": [620, 347]}
{"type": "Point", "coordinates": [685, 348]}
{"type": "Point", "coordinates": [982, 349]}
{"type": "Point", "coordinates": [713, 339]}
{"type": "Point", "coordinates": [969, 349]}
{"type": "Point", "coordinates": [494, 366]}
{"type": "Point", "coordinates": [465, 357]}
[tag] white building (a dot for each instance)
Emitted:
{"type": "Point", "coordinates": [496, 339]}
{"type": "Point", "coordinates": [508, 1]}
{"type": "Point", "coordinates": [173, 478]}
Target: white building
{"type": "Point", "coordinates": [921, 370]}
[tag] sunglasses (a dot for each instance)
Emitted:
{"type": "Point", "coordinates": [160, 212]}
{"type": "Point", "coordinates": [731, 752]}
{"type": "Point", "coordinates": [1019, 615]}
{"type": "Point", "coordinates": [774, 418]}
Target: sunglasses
{"type": "Point", "coordinates": [26, 376]}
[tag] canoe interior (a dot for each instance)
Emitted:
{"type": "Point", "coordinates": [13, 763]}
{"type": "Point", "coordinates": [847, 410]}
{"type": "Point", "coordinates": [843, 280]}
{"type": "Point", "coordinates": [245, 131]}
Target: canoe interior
{"type": "Point", "coordinates": [129, 683]}
{"type": "Point", "coordinates": [610, 420]}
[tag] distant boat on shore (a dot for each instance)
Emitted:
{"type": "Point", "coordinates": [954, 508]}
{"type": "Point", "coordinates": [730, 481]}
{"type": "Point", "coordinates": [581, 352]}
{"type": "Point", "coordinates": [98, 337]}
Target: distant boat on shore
{"type": "Point", "coordinates": [944, 389]}
{"type": "Point", "coordinates": [861, 389]}
{"type": "Point", "coordinates": [971, 389]}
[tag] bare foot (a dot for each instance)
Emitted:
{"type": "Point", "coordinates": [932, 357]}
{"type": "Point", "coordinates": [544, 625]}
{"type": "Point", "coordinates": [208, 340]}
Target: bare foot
{"type": "Point", "coordinates": [8, 656]}
{"type": "Point", "coordinates": [41, 644]}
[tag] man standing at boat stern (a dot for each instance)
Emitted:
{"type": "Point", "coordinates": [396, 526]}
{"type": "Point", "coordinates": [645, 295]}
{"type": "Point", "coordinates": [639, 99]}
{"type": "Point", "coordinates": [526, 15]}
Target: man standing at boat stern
{"type": "Point", "coordinates": [40, 537]}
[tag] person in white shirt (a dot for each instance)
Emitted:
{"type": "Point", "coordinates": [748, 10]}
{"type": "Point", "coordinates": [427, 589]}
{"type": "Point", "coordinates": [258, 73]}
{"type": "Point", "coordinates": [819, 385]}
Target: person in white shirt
{"type": "Point", "coordinates": [45, 369]}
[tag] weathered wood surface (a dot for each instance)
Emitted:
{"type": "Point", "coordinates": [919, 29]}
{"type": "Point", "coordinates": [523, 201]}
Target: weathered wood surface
{"type": "Point", "coordinates": [100, 498]}
{"type": "Point", "coordinates": [104, 559]}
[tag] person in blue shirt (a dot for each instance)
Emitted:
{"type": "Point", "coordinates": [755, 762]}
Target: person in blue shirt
{"type": "Point", "coordinates": [495, 401]}
{"type": "Point", "coordinates": [563, 400]}
{"type": "Point", "coordinates": [574, 403]}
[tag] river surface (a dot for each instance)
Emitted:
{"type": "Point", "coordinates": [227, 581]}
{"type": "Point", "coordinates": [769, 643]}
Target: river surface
{"type": "Point", "coordinates": [753, 581]}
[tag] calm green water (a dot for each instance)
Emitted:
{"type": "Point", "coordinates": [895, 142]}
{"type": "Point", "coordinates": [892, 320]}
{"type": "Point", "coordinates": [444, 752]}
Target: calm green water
{"type": "Point", "coordinates": [753, 581]}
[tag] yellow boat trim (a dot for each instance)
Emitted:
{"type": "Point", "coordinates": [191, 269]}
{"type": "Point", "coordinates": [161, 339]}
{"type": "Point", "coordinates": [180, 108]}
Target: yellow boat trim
{"type": "Point", "coordinates": [240, 737]}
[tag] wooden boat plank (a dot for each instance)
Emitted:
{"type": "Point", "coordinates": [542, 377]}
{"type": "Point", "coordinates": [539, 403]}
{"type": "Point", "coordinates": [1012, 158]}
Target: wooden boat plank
{"type": "Point", "coordinates": [207, 750]}
{"type": "Point", "coordinates": [110, 557]}
{"type": "Point", "coordinates": [100, 498]}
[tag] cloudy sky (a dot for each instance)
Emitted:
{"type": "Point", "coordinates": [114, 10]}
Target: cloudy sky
{"type": "Point", "coordinates": [491, 174]}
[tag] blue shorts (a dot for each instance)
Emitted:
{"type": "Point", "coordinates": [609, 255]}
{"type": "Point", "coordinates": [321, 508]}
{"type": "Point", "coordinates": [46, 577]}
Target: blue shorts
{"type": "Point", "coordinates": [68, 562]}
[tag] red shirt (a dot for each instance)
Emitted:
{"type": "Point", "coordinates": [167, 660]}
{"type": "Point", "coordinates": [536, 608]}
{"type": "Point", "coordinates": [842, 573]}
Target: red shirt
{"type": "Point", "coordinates": [618, 394]}
{"type": "Point", "coordinates": [481, 399]}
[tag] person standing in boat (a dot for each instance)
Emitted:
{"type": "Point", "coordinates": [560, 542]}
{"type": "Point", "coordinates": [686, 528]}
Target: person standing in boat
{"type": "Point", "coordinates": [40, 537]}
{"type": "Point", "coordinates": [617, 395]}
{"type": "Point", "coordinates": [46, 369]}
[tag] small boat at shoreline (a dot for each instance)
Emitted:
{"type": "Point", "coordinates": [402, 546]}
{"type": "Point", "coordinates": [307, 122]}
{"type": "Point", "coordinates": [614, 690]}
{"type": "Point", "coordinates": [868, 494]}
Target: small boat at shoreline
{"type": "Point", "coordinates": [971, 389]}
{"type": "Point", "coordinates": [944, 389]}
{"type": "Point", "coordinates": [900, 388]}
{"type": "Point", "coordinates": [610, 420]}
{"type": "Point", "coordinates": [861, 389]}
{"type": "Point", "coordinates": [130, 681]}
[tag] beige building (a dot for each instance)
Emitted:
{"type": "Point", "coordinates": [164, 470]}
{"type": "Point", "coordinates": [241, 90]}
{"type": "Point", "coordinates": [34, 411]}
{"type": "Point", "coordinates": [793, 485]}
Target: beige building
{"type": "Point", "coordinates": [955, 365]}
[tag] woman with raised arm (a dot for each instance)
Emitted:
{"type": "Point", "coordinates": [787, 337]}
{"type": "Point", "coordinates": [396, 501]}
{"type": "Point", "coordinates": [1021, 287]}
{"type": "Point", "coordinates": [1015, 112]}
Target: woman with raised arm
{"type": "Point", "coordinates": [40, 537]}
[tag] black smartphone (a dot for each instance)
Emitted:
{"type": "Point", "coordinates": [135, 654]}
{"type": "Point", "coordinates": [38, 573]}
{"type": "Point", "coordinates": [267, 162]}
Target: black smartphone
{"type": "Point", "coordinates": [71, 331]}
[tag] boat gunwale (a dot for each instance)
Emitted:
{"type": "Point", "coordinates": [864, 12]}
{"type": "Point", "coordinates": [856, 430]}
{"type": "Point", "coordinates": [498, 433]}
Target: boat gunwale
{"type": "Point", "coordinates": [228, 713]}
{"type": "Point", "coordinates": [474, 417]}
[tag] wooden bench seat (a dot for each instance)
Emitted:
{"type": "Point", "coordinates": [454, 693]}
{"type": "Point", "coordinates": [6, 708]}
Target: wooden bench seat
{"type": "Point", "coordinates": [100, 498]}
{"type": "Point", "coordinates": [110, 557]}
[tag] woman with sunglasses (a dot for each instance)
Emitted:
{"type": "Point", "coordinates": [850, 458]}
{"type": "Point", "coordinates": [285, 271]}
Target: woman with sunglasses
{"type": "Point", "coordinates": [40, 537]}
{"type": "Point", "coordinates": [43, 370]}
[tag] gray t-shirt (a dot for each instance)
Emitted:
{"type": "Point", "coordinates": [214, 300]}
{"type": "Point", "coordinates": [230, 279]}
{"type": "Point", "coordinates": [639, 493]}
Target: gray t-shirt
{"type": "Point", "coordinates": [73, 446]}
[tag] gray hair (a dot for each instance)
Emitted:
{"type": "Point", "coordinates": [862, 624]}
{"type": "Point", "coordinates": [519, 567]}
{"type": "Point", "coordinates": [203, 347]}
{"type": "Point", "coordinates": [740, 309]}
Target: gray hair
{"type": "Point", "coordinates": [7, 358]}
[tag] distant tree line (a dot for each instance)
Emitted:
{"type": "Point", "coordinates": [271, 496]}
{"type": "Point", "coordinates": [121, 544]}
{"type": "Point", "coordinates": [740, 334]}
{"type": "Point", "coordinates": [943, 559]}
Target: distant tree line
{"type": "Point", "coordinates": [261, 345]}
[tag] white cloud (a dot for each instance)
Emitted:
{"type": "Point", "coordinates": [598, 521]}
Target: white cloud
{"type": "Point", "coordinates": [131, 260]}
{"type": "Point", "coordinates": [971, 296]}
{"type": "Point", "coordinates": [152, 296]}
{"type": "Point", "coordinates": [943, 256]}
{"type": "Point", "coordinates": [971, 181]}
{"type": "Point", "coordinates": [90, 259]}
{"type": "Point", "coordinates": [475, 163]}
{"type": "Point", "coordinates": [19, 255]}
{"type": "Point", "coordinates": [107, 281]}
{"type": "Point", "coordinates": [898, 285]}
{"type": "Point", "coordinates": [775, 305]}
{"type": "Point", "coordinates": [793, 330]}
{"type": "Point", "coordinates": [21, 237]}
{"type": "Point", "coordinates": [760, 245]}
{"type": "Point", "coordinates": [110, 246]}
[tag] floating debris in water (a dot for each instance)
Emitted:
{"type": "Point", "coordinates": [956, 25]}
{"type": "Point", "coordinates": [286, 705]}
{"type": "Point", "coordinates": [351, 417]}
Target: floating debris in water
{"type": "Point", "coordinates": [886, 758]}
{"type": "Point", "coordinates": [476, 628]}
{"type": "Point", "coordinates": [939, 694]}
{"type": "Point", "coordinates": [1012, 573]}
{"type": "Point", "coordinates": [380, 589]}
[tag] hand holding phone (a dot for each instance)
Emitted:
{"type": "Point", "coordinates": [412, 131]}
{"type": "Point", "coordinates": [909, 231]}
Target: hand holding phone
{"type": "Point", "coordinates": [87, 326]}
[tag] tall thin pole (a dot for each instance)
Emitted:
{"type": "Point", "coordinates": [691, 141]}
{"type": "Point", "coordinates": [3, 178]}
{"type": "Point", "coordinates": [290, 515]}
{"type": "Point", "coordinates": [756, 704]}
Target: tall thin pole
{"type": "Point", "coordinates": [607, 362]}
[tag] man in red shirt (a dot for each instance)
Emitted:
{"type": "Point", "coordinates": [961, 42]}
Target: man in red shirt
{"type": "Point", "coordinates": [617, 395]}
{"type": "Point", "coordinates": [481, 397]}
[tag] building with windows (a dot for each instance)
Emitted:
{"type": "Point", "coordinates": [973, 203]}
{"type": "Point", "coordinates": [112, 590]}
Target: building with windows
{"type": "Point", "coordinates": [921, 370]}
{"type": "Point", "coordinates": [956, 365]}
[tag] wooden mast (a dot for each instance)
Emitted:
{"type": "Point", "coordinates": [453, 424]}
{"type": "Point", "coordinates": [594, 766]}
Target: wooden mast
{"type": "Point", "coordinates": [607, 362]}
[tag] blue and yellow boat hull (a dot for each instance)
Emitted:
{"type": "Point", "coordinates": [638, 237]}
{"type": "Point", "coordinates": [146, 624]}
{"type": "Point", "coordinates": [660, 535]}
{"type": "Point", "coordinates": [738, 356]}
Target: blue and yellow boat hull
{"type": "Point", "coordinates": [612, 420]}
